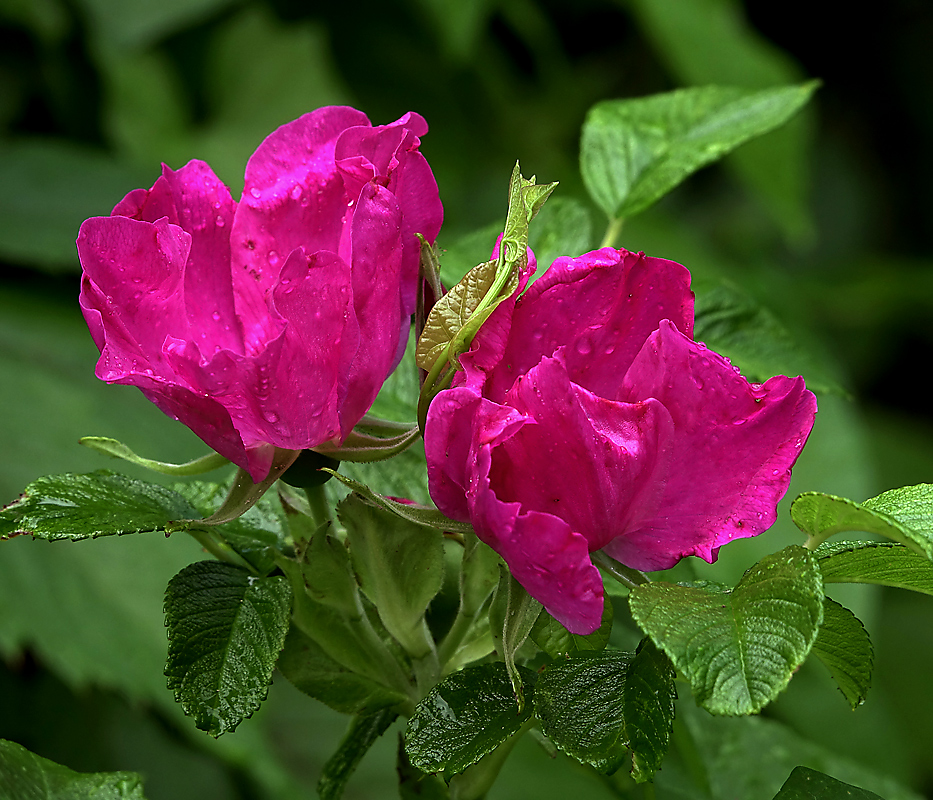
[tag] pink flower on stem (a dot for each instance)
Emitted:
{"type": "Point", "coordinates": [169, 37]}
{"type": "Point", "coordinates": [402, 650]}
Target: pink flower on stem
{"type": "Point", "coordinates": [272, 322]}
{"type": "Point", "coordinates": [588, 419]}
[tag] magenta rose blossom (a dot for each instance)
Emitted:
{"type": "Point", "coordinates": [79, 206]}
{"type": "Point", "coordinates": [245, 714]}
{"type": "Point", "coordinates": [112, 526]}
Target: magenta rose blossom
{"type": "Point", "coordinates": [274, 321]}
{"type": "Point", "coordinates": [587, 418]}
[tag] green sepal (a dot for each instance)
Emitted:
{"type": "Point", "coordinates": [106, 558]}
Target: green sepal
{"type": "Point", "coordinates": [422, 515]}
{"type": "Point", "coordinates": [361, 735]}
{"type": "Point", "coordinates": [307, 471]}
{"type": "Point", "coordinates": [307, 667]}
{"type": "Point", "coordinates": [903, 515]}
{"type": "Point", "coordinates": [600, 706]}
{"type": "Point", "coordinates": [225, 630]}
{"type": "Point", "coordinates": [555, 640]}
{"type": "Point", "coordinates": [452, 728]}
{"type": "Point", "coordinates": [634, 151]}
{"type": "Point", "coordinates": [26, 776]}
{"type": "Point", "coordinates": [737, 648]}
{"type": "Point", "coordinates": [844, 648]}
{"type": "Point", "coordinates": [400, 567]}
{"type": "Point", "coordinates": [116, 449]}
{"type": "Point", "coordinates": [512, 615]}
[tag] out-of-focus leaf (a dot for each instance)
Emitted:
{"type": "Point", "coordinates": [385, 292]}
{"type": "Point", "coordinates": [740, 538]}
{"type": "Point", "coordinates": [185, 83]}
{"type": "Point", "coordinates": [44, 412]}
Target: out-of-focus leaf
{"type": "Point", "coordinates": [26, 776]}
{"type": "Point", "coordinates": [845, 650]}
{"type": "Point", "coordinates": [563, 228]}
{"type": "Point", "coordinates": [634, 151]}
{"type": "Point", "coordinates": [49, 189]}
{"type": "Point", "coordinates": [710, 41]}
{"type": "Point", "coordinates": [458, 24]}
{"type": "Point", "coordinates": [360, 736]}
{"type": "Point", "coordinates": [135, 25]}
{"type": "Point", "coordinates": [808, 784]}
{"type": "Point", "coordinates": [731, 323]}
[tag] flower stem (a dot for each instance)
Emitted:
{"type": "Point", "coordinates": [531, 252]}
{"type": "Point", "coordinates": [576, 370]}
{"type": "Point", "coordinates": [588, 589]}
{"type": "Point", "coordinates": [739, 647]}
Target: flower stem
{"type": "Point", "coordinates": [452, 639]}
{"type": "Point", "coordinates": [625, 575]}
{"type": "Point", "coordinates": [218, 548]}
{"type": "Point", "coordinates": [317, 503]}
{"type": "Point", "coordinates": [475, 781]}
{"type": "Point", "coordinates": [612, 232]}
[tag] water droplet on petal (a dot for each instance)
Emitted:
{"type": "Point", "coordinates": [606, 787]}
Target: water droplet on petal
{"type": "Point", "coordinates": [219, 221]}
{"type": "Point", "coordinates": [273, 258]}
{"type": "Point", "coordinates": [296, 192]}
{"type": "Point", "coordinates": [216, 316]}
{"type": "Point", "coordinates": [255, 192]}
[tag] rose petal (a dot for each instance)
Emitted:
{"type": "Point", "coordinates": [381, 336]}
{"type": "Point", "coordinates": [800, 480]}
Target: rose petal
{"type": "Point", "coordinates": [601, 307]}
{"type": "Point", "coordinates": [598, 465]}
{"type": "Point", "coordinates": [732, 449]}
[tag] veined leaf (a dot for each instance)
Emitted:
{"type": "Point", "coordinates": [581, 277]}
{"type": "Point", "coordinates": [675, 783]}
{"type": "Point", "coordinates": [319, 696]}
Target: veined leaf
{"type": "Point", "coordinates": [883, 563]}
{"type": "Point", "coordinates": [98, 503]}
{"type": "Point", "coordinates": [555, 640]}
{"type": "Point", "coordinates": [737, 648]}
{"type": "Point", "coordinates": [904, 515]}
{"type": "Point", "coordinates": [225, 629]}
{"type": "Point", "coordinates": [845, 650]}
{"type": "Point", "coordinates": [466, 716]}
{"type": "Point", "coordinates": [634, 151]}
{"type": "Point", "coordinates": [597, 707]}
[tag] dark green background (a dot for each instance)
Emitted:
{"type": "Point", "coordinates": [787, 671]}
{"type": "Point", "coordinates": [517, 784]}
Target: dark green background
{"type": "Point", "coordinates": [95, 93]}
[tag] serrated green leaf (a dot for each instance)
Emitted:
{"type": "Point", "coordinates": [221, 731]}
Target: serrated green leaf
{"type": "Point", "coordinates": [555, 640]}
{"type": "Point", "coordinates": [892, 515]}
{"type": "Point", "coordinates": [95, 504]}
{"type": "Point", "coordinates": [421, 515]}
{"type": "Point", "coordinates": [413, 784]}
{"type": "Point", "coordinates": [449, 316]}
{"type": "Point", "coordinates": [225, 630]}
{"type": "Point", "coordinates": [466, 716]}
{"type": "Point", "coordinates": [738, 649]}
{"type": "Point", "coordinates": [845, 650]}
{"type": "Point", "coordinates": [362, 733]}
{"type": "Point", "coordinates": [315, 673]}
{"type": "Point", "coordinates": [599, 706]}
{"type": "Point", "coordinates": [257, 535]}
{"type": "Point", "coordinates": [883, 563]}
{"type": "Point", "coordinates": [400, 567]}
{"type": "Point", "coordinates": [26, 776]}
{"type": "Point", "coordinates": [634, 151]}
{"type": "Point", "coordinates": [808, 784]}
{"type": "Point", "coordinates": [733, 324]}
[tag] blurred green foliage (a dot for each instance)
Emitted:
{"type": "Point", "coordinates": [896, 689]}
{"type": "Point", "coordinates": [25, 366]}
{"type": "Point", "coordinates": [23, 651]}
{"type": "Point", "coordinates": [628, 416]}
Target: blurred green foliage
{"type": "Point", "coordinates": [825, 223]}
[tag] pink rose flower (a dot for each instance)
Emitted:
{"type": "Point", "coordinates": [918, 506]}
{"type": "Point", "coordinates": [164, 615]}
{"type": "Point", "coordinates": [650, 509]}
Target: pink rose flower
{"type": "Point", "coordinates": [274, 321]}
{"type": "Point", "coordinates": [588, 419]}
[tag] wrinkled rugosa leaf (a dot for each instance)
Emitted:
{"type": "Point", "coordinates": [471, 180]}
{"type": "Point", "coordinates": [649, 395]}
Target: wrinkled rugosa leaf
{"type": "Point", "coordinates": [225, 630]}
{"type": "Point", "coordinates": [466, 716]}
{"type": "Point", "coordinates": [904, 515]}
{"type": "Point", "coordinates": [882, 563]}
{"type": "Point", "coordinates": [360, 736]}
{"type": "Point", "coordinates": [808, 784]}
{"type": "Point", "coordinates": [98, 503]}
{"type": "Point", "coordinates": [598, 707]}
{"type": "Point", "coordinates": [634, 151]}
{"type": "Point", "coordinates": [26, 776]}
{"type": "Point", "coordinates": [845, 650]}
{"type": "Point", "coordinates": [737, 648]}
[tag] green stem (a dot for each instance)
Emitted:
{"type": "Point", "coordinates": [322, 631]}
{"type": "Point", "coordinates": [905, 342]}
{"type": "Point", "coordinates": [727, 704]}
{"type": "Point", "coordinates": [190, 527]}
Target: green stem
{"type": "Point", "coordinates": [453, 638]}
{"type": "Point", "coordinates": [612, 232]}
{"type": "Point", "coordinates": [317, 503]}
{"type": "Point", "coordinates": [218, 548]}
{"type": "Point", "coordinates": [625, 575]}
